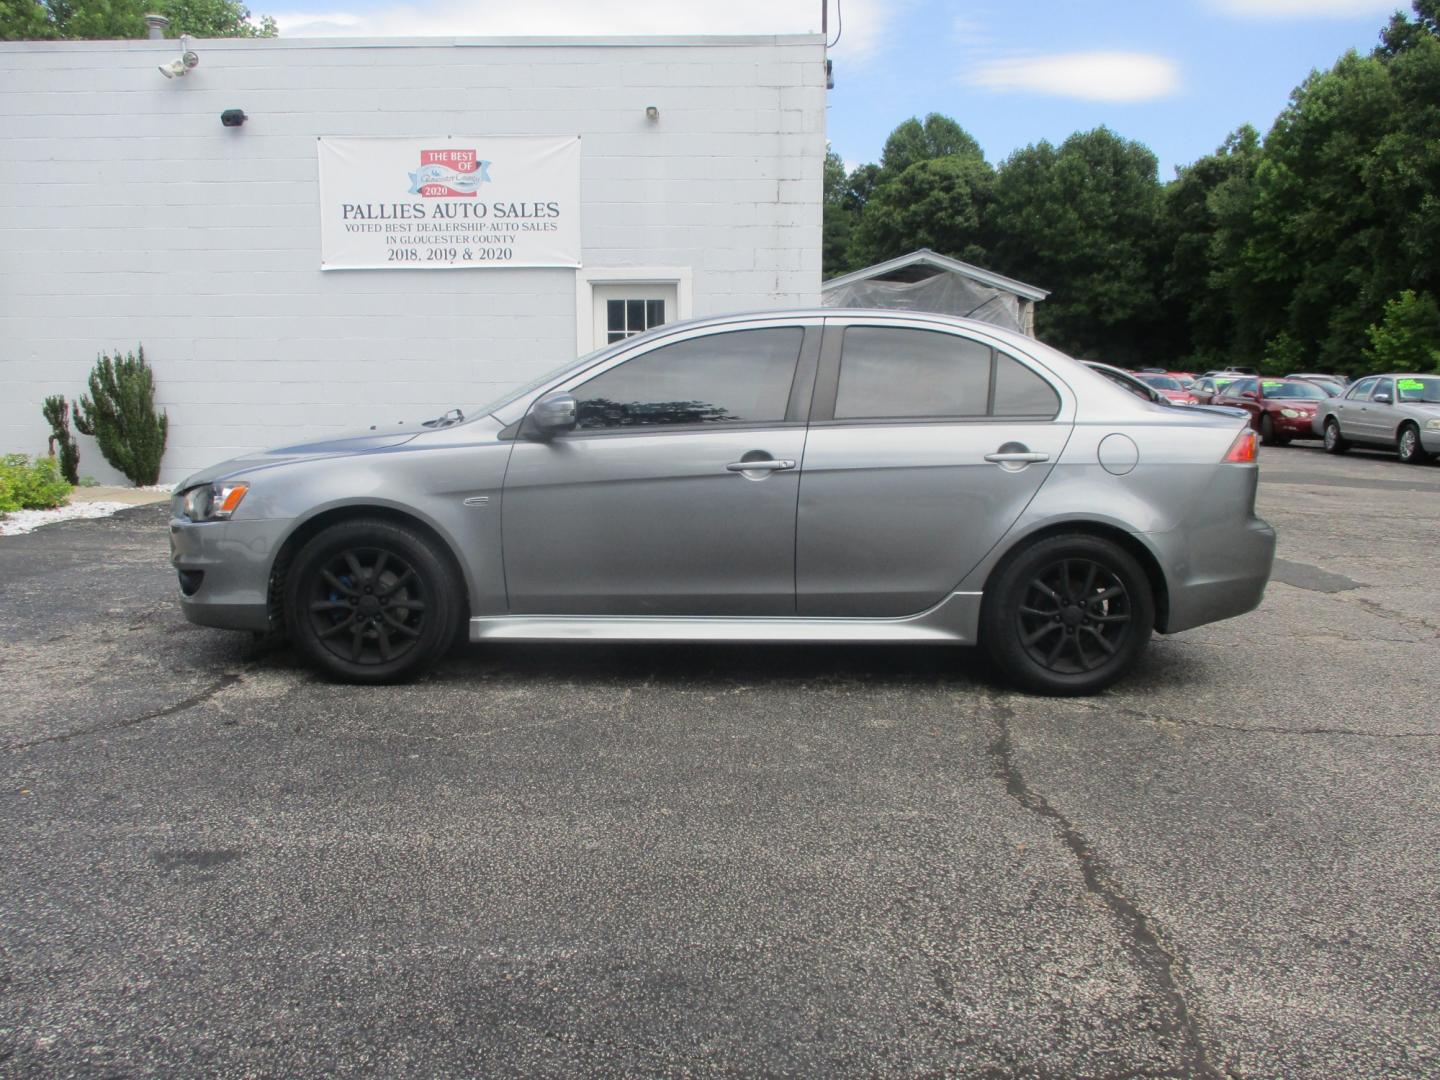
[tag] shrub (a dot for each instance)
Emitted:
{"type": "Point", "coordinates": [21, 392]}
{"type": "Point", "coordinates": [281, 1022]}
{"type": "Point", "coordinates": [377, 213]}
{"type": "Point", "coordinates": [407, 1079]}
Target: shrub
{"type": "Point", "coordinates": [1407, 338]}
{"type": "Point", "coordinates": [120, 412]}
{"type": "Point", "coordinates": [57, 412]}
{"type": "Point", "coordinates": [27, 485]}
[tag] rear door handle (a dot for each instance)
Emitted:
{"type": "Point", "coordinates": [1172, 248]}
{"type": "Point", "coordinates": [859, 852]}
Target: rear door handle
{"type": "Point", "coordinates": [771, 465]}
{"type": "Point", "coordinates": [1025, 457]}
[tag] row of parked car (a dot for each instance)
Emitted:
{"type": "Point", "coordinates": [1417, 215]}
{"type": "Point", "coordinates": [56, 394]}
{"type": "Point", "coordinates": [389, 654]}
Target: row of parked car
{"type": "Point", "coordinates": [1396, 411]}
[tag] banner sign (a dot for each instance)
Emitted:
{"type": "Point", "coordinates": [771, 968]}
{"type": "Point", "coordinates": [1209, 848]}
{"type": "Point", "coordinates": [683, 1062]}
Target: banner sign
{"type": "Point", "coordinates": [449, 201]}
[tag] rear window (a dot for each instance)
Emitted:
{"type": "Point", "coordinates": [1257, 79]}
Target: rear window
{"type": "Point", "coordinates": [898, 373]}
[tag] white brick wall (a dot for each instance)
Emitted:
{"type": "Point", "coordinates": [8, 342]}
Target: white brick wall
{"type": "Point", "coordinates": [129, 214]}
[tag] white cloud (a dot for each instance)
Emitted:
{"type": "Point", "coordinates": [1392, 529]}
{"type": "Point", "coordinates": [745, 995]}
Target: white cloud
{"type": "Point", "coordinates": [1294, 9]}
{"type": "Point", "coordinates": [865, 26]}
{"type": "Point", "coordinates": [1092, 76]}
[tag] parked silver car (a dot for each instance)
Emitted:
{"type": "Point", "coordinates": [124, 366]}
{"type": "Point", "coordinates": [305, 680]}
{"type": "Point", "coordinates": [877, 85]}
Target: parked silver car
{"type": "Point", "coordinates": [807, 476]}
{"type": "Point", "coordinates": [1399, 412]}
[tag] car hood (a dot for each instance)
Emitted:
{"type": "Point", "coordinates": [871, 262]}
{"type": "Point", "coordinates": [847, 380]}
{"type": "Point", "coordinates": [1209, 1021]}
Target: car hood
{"type": "Point", "coordinates": [379, 437]}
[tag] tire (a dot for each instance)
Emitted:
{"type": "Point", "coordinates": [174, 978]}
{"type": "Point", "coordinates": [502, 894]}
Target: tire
{"type": "Point", "coordinates": [1408, 446]}
{"type": "Point", "coordinates": [1267, 431]}
{"type": "Point", "coordinates": [372, 601]}
{"type": "Point", "coordinates": [1334, 442]}
{"type": "Point", "coordinates": [1041, 640]}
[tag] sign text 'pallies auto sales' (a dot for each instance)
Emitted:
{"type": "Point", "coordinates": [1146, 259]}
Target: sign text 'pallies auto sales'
{"type": "Point", "coordinates": [505, 200]}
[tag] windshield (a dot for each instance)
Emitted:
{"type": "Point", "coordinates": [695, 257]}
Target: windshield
{"type": "Point", "coordinates": [1285, 388]}
{"type": "Point", "coordinates": [1161, 382]}
{"type": "Point", "coordinates": [536, 383]}
{"type": "Point", "coordinates": [1417, 391]}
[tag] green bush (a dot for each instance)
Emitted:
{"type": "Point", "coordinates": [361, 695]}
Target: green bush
{"type": "Point", "coordinates": [1407, 338]}
{"type": "Point", "coordinates": [31, 485]}
{"type": "Point", "coordinates": [120, 412]}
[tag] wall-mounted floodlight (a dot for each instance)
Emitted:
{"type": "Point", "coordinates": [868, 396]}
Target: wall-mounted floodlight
{"type": "Point", "coordinates": [652, 113]}
{"type": "Point", "coordinates": [183, 64]}
{"type": "Point", "coordinates": [233, 117]}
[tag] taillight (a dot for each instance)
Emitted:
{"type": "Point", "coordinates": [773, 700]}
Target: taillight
{"type": "Point", "coordinates": [1244, 450]}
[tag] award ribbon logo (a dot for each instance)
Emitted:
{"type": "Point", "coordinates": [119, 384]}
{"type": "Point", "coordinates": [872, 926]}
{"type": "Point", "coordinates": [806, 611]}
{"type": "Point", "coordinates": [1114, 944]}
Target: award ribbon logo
{"type": "Point", "coordinates": [449, 174]}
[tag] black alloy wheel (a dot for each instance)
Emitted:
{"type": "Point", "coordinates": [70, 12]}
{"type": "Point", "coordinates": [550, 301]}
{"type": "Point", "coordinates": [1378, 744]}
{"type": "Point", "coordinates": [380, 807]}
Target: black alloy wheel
{"type": "Point", "coordinates": [1068, 615]}
{"type": "Point", "coordinates": [1074, 616]}
{"type": "Point", "coordinates": [1334, 442]}
{"type": "Point", "coordinates": [371, 601]}
{"type": "Point", "coordinates": [1408, 446]}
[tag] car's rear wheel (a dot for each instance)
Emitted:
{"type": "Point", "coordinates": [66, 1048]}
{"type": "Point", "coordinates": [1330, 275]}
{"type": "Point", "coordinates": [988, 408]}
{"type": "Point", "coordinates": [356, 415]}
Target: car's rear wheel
{"type": "Point", "coordinates": [1334, 442]}
{"type": "Point", "coordinates": [1408, 446]}
{"type": "Point", "coordinates": [371, 601]}
{"type": "Point", "coordinates": [1068, 615]}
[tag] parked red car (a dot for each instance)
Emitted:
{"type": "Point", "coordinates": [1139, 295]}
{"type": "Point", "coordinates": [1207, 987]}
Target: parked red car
{"type": "Point", "coordinates": [1280, 409]}
{"type": "Point", "coordinates": [1169, 386]}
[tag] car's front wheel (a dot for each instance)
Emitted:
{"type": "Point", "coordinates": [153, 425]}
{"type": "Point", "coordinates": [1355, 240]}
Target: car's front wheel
{"type": "Point", "coordinates": [1409, 448]}
{"type": "Point", "coordinates": [371, 601]}
{"type": "Point", "coordinates": [1334, 442]}
{"type": "Point", "coordinates": [1068, 615]}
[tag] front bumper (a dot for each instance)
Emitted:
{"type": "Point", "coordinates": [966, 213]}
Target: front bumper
{"type": "Point", "coordinates": [1430, 440]}
{"type": "Point", "coordinates": [1298, 427]}
{"type": "Point", "coordinates": [225, 568]}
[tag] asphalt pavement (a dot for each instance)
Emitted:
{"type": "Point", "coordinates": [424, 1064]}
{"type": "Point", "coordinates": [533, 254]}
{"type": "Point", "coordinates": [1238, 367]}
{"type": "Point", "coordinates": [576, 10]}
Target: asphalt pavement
{"type": "Point", "coordinates": [701, 861]}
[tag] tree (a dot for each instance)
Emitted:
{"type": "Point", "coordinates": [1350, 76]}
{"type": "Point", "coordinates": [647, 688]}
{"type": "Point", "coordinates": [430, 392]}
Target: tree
{"type": "Point", "coordinates": [939, 204]}
{"type": "Point", "coordinates": [1200, 207]}
{"type": "Point", "coordinates": [839, 217]}
{"type": "Point", "coordinates": [1408, 336]}
{"type": "Point", "coordinates": [913, 142]}
{"type": "Point", "coordinates": [42, 20]}
{"type": "Point", "coordinates": [1083, 220]}
{"type": "Point", "coordinates": [120, 413]}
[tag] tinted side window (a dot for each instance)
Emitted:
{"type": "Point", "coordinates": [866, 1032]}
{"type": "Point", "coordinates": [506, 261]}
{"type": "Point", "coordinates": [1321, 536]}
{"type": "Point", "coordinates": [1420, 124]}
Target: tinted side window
{"type": "Point", "coordinates": [1020, 392]}
{"type": "Point", "coordinates": [740, 377]}
{"type": "Point", "coordinates": [890, 372]}
{"type": "Point", "coordinates": [1361, 389]}
{"type": "Point", "coordinates": [1385, 386]}
{"type": "Point", "coordinates": [1239, 386]}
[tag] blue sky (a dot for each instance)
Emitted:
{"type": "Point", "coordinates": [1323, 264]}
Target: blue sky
{"type": "Point", "coordinates": [1178, 75]}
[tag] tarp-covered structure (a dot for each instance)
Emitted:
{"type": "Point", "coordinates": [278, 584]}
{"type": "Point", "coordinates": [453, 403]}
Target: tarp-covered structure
{"type": "Point", "coordinates": [926, 281]}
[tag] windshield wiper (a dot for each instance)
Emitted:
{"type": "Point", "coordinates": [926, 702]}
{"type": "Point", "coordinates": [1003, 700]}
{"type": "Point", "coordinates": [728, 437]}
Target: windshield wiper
{"type": "Point", "coordinates": [454, 416]}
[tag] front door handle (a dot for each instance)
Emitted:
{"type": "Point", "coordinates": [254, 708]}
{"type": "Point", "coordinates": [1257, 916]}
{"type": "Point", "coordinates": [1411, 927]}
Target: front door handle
{"type": "Point", "coordinates": [764, 465]}
{"type": "Point", "coordinates": [1016, 457]}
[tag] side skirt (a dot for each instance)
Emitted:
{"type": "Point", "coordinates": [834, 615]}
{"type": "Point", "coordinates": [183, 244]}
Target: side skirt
{"type": "Point", "coordinates": [954, 620]}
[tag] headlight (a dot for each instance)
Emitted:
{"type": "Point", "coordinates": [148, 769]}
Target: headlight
{"type": "Point", "coordinates": [213, 502]}
{"type": "Point", "coordinates": [1293, 414]}
{"type": "Point", "coordinates": [1432, 425]}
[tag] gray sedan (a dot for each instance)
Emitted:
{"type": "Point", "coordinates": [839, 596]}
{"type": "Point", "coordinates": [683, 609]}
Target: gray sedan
{"type": "Point", "coordinates": [807, 476]}
{"type": "Point", "coordinates": [1398, 412]}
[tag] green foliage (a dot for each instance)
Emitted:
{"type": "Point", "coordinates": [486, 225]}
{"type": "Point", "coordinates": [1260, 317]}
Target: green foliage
{"type": "Point", "coordinates": [1408, 336]}
{"type": "Point", "coordinates": [1083, 220]}
{"type": "Point", "coordinates": [120, 413]}
{"type": "Point", "coordinates": [937, 204]}
{"type": "Point", "coordinates": [913, 142]}
{"type": "Point", "coordinates": [26, 20]}
{"type": "Point", "coordinates": [1283, 355]}
{"type": "Point", "coordinates": [31, 485]}
{"type": "Point", "coordinates": [57, 413]}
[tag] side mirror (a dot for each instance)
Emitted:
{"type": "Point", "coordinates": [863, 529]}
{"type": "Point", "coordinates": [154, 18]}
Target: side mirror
{"type": "Point", "coordinates": [551, 415]}
{"type": "Point", "coordinates": [1382, 399]}
{"type": "Point", "coordinates": [1250, 395]}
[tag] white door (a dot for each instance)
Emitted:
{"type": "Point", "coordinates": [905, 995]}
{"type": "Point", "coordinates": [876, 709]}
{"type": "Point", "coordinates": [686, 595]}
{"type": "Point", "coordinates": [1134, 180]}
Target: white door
{"type": "Point", "coordinates": [623, 311]}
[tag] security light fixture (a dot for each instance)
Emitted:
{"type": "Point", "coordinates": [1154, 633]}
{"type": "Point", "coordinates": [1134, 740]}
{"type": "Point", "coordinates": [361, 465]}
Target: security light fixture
{"type": "Point", "coordinates": [181, 65]}
{"type": "Point", "coordinates": [652, 113]}
{"type": "Point", "coordinates": [233, 117]}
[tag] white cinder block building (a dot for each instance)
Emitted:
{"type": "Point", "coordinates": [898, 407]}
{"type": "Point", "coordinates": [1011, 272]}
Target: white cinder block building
{"type": "Point", "coordinates": [129, 214]}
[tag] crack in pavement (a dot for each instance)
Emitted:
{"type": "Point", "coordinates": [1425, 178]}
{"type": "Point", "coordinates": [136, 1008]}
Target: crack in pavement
{"type": "Point", "coordinates": [1381, 611]}
{"type": "Point", "coordinates": [1152, 718]}
{"type": "Point", "coordinates": [224, 683]}
{"type": "Point", "coordinates": [1152, 957]}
